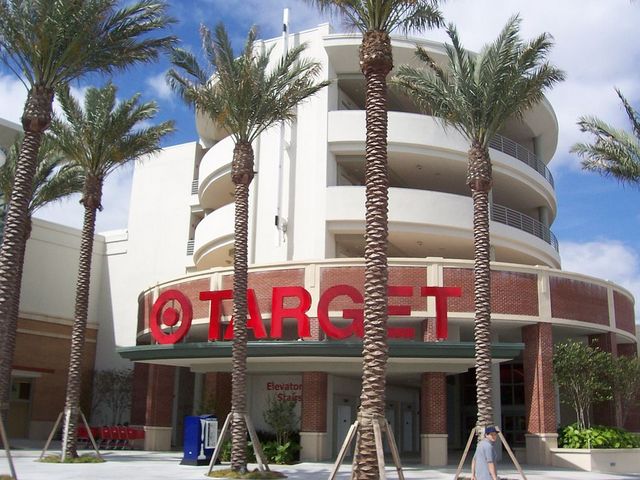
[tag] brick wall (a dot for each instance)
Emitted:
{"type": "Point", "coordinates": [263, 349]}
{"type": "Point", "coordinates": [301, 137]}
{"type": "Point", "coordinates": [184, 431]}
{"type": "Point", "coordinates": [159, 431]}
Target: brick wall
{"type": "Point", "coordinates": [578, 300]}
{"type": "Point", "coordinates": [314, 402]}
{"type": "Point", "coordinates": [45, 347]}
{"type": "Point", "coordinates": [263, 283]}
{"type": "Point", "coordinates": [217, 391]}
{"type": "Point", "coordinates": [511, 292]}
{"type": "Point", "coordinates": [433, 403]}
{"type": "Point", "coordinates": [540, 404]}
{"type": "Point", "coordinates": [139, 393]}
{"type": "Point", "coordinates": [405, 276]}
{"type": "Point", "coordinates": [159, 404]}
{"type": "Point", "coordinates": [192, 291]}
{"type": "Point", "coordinates": [625, 316]}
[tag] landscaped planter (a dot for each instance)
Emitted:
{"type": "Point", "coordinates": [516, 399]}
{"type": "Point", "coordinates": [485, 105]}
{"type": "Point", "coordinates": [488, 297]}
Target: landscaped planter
{"type": "Point", "coordinates": [614, 460]}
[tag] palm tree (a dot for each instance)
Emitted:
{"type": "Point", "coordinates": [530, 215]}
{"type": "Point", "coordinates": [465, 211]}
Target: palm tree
{"type": "Point", "coordinates": [46, 44]}
{"type": "Point", "coordinates": [477, 94]}
{"type": "Point", "coordinates": [102, 136]}
{"type": "Point", "coordinates": [246, 97]}
{"type": "Point", "coordinates": [53, 181]}
{"type": "Point", "coordinates": [377, 19]}
{"type": "Point", "coordinates": [614, 152]}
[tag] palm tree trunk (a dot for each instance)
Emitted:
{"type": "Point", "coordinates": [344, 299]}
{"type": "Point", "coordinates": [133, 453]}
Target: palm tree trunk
{"type": "Point", "coordinates": [8, 346]}
{"type": "Point", "coordinates": [91, 199]}
{"type": "Point", "coordinates": [376, 63]}
{"type": "Point", "coordinates": [479, 180]}
{"type": "Point", "coordinates": [242, 174]}
{"type": "Point", "coordinates": [36, 119]}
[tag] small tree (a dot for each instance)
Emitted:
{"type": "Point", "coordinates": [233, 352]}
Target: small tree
{"type": "Point", "coordinates": [112, 394]}
{"type": "Point", "coordinates": [625, 383]}
{"type": "Point", "coordinates": [581, 373]}
{"type": "Point", "coordinates": [280, 416]}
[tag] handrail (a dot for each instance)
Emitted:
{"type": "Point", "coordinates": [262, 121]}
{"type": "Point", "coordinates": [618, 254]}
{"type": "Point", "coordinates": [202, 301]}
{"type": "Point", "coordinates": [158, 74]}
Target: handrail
{"type": "Point", "coordinates": [525, 223]}
{"type": "Point", "coordinates": [514, 149]}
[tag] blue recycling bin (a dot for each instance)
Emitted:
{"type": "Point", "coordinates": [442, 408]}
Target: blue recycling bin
{"type": "Point", "coordinates": [200, 437]}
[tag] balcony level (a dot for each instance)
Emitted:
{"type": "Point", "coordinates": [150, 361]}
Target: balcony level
{"type": "Point", "coordinates": [424, 155]}
{"type": "Point", "coordinates": [436, 224]}
{"type": "Point", "coordinates": [342, 50]}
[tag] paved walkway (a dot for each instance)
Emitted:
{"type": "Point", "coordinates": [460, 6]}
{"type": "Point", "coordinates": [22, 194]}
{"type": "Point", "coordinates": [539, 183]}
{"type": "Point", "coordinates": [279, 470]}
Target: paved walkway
{"type": "Point", "coordinates": [138, 465]}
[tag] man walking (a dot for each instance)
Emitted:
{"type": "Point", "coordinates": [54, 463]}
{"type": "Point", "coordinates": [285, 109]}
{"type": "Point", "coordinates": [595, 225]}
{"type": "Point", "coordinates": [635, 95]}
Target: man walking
{"type": "Point", "coordinates": [483, 465]}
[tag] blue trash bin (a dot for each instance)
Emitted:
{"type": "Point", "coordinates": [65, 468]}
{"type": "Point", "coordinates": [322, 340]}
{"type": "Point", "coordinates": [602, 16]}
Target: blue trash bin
{"type": "Point", "coordinates": [200, 437]}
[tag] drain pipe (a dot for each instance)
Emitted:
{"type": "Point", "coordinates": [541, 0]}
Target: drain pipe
{"type": "Point", "coordinates": [280, 221]}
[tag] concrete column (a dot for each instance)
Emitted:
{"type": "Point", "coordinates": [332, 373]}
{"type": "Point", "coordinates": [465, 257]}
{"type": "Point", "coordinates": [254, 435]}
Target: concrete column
{"type": "Point", "coordinates": [433, 419]}
{"type": "Point", "coordinates": [313, 421]}
{"type": "Point", "coordinates": [543, 215]}
{"type": "Point", "coordinates": [540, 405]}
{"type": "Point", "coordinates": [159, 408]}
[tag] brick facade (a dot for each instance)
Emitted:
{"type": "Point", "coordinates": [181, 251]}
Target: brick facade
{"type": "Point", "coordinates": [503, 286]}
{"type": "Point", "coordinates": [579, 300]}
{"type": "Point", "coordinates": [139, 393]}
{"type": "Point", "coordinates": [314, 402]}
{"type": "Point", "coordinates": [625, 316]}
{"type": "Point", "coordinates": [433, 403]}
{"type": "Point", "coordinates": [540, 401]}
{"type": "Point", "coordinates": [216, 394]}
{"type": "Point", "coordinates": [160, 396]}
{"type": "Point", "coordinates": [44, 347]}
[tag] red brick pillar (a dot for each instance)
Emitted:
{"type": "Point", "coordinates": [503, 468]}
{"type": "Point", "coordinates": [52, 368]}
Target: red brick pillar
{"type": "Point", "coordinates": [216, 394]}
{"type": "Point", "coordinates": [159, 407]}
{"type": "Point", "coordinates": [539, 391]}
{"type": "Point", "coordinates": [139, 393]}
{"type": "Point", "coordinates": [604, 413]}
{"type": "Point", "coordinates": [313, 417]}
{"type": "Point", "coordinates": [433, 419]}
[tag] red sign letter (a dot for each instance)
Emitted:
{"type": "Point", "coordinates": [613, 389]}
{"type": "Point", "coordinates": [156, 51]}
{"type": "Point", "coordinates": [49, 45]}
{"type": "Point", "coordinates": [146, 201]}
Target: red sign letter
{"type": "Point", "coordinates": [170, 317]}
{"type": "Point", "coordinates": [355, 315]}
{"type": "Point", "coordinates": [441, 294]}
{"type": "Point", "coordinates": [405, 310]}
{"type": "Point", "coordinates": [279, 313]}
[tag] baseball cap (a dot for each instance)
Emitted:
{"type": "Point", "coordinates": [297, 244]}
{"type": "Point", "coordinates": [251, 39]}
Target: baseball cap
{"type": "Point", "coordinates": [489, 430]}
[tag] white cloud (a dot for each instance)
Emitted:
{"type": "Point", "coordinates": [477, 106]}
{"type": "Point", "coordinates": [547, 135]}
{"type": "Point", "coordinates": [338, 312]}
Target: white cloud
{"type": "Point", "coordinates": [13, 94]}
{"type": "Point", "coordinates": [115, 202]}
{"type": "Point", "coordinates": [159, 85]}
{"type": "Point", "coordinates": [606, 259]}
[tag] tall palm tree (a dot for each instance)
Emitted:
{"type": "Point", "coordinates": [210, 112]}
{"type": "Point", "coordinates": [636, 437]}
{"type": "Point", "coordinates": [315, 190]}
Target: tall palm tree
{"type": "Point", "coordinates": [376, 20]}
{"type": "Point", "coordinates": [246, 97]}
{"type": "Point", "coordinates": [102, 136]}
{"type": "Point", "coordinates": [477, 94]}
{"type": "Point", "coordinates": [46, 44]}
{"type": "Point", "coordinates": [614, 152]}
{"type": "Point", "coordinates": [53, 181]}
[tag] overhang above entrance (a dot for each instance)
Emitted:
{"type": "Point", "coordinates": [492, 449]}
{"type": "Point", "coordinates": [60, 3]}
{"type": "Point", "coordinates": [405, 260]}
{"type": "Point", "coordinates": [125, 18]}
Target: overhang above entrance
{"type": "Point", "coordinates": [331, 357]}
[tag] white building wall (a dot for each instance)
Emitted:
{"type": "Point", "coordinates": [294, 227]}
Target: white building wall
{"type": "Point", "coordinates": [155, 248]}
{"type": "Point", "coordinates": [51, 271]}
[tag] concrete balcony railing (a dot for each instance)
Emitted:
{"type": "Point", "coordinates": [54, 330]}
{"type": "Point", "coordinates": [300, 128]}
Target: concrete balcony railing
{"type": "Point", "coordinates": [513, 149]}
{"type": "Point", "coordinates": [523, 222]}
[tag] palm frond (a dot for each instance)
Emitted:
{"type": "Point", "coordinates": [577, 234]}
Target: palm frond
{"type": "Point", "coordinates": [104, 134]}
{"type": "Point", "coordinates": [55, 41]}
{"type": "Point", "coordinates": [477, 94]}
{"type": "Point", "coordinates": [613, 152]}
{"type": "Point", "coordinates": [249, 93]}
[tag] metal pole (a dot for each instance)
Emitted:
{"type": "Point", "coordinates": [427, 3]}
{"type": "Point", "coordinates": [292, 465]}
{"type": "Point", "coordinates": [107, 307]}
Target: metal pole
{"type": "Point", "coordinates": [280, 221]}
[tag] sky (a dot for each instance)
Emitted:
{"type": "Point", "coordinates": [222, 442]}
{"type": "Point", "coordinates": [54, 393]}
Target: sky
{"type": "Point", "coordinates": [596, 44]}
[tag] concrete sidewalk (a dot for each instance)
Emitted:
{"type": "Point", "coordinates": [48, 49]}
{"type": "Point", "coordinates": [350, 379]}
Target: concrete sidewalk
{"type": "Point", "coordinates": [125, 465]}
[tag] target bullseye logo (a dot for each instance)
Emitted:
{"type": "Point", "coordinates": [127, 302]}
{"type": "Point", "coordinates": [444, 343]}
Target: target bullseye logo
{"type": "Point", "coordinates": [165, 314]}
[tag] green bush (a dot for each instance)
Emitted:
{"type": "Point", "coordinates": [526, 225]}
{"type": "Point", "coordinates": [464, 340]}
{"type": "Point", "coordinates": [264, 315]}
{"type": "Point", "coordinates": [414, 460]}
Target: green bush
{"type": "Point", "coordinates": [225, 452]}
{"type": "Point", "coordinates": [596, 437]}
{"type": "Point", "coordinates": [284, 454]}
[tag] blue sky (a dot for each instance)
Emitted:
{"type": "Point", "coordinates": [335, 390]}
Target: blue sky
{"type": "Point", "coordinates": [596, 44]}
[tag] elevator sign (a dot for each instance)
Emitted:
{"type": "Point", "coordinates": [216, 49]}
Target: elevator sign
{"type": "Point", "coordinates": [172, 312]}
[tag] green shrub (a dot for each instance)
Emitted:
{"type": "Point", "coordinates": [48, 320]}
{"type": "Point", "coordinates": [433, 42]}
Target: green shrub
{"type": "Point", "coordinates": [596, 437]}
{"type": "Point", "coordinates": [284, 454]}
{"type": "Point", "coordinates": [225, 452]}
